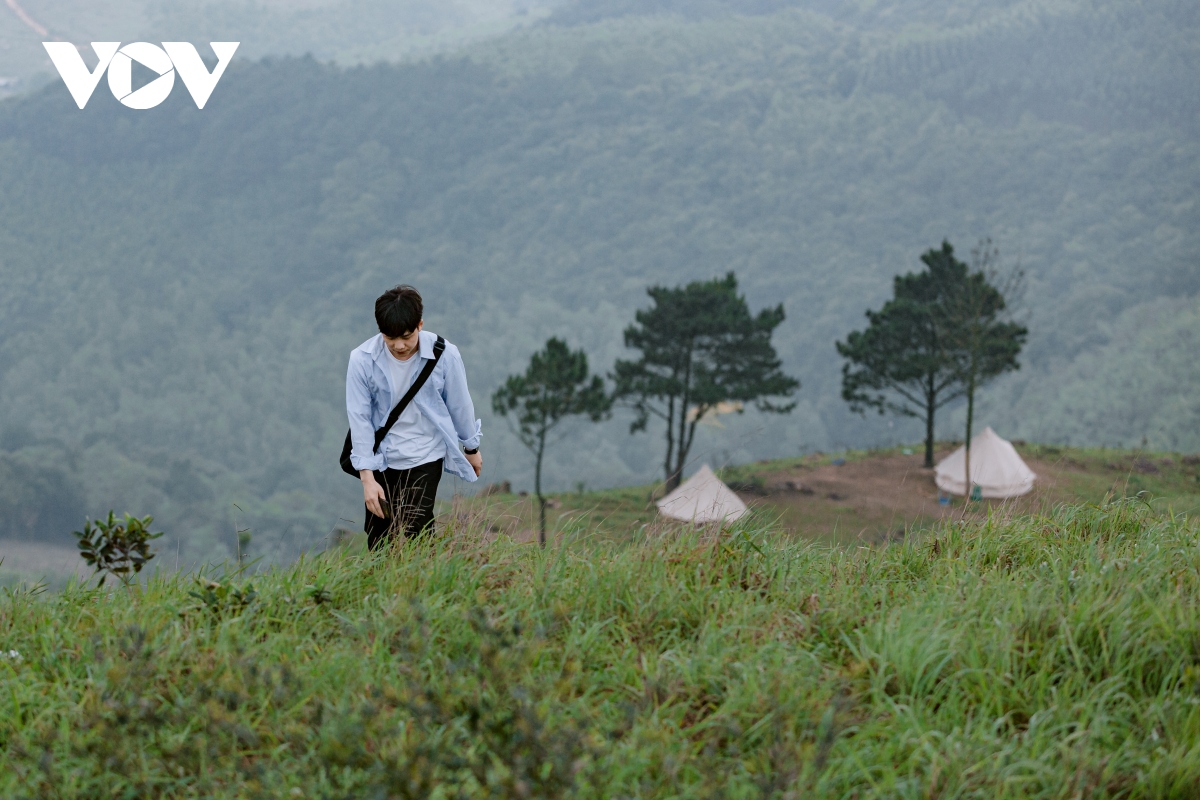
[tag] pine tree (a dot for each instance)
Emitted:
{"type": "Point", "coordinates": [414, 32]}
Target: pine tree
{"type": "Point", "coordinates": [555, 386]}
{"type": "Point", "coordinates": [700, 346]}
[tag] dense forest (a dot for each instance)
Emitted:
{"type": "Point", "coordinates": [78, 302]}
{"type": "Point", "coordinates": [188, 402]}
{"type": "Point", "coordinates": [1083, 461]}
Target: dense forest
{"type": "Point", "coordinates": [180, 288]}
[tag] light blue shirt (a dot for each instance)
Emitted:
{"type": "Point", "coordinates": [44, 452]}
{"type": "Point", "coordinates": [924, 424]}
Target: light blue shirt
{"type": "Point", "coordinates": [414, 439]}
{"type": "Point", "coordinates": [443, 399]}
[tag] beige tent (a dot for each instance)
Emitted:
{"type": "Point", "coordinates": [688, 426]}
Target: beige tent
{"type": "Point", "coordinates": [995, 468]}
{"type": "Point", "coordinates": [702, 498]}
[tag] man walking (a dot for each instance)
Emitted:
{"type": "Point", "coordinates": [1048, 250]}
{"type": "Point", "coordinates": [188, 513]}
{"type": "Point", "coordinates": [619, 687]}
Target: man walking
{"type": "Point", "coordinates": [436, 430]}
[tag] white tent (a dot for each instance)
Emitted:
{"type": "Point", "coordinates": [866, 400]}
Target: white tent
{"type": "Point", "coordinates": [995, 468]}
{"type": "Point", "coordinates": [702, 498]}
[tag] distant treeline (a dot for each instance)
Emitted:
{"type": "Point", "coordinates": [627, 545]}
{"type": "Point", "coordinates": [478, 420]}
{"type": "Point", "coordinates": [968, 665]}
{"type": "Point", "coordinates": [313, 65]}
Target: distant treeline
{"type": "Point", "coordinates": [181, 288]}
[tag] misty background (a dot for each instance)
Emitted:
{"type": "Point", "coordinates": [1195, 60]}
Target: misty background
{"type": "Point", "coordinates": [180, 289]}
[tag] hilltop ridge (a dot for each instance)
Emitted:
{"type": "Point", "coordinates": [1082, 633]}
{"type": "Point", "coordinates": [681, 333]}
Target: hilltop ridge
{"type": "Point", "coordinates": [864, 497]}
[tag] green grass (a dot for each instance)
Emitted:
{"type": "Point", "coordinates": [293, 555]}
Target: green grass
{"type": "Point", "coordinates": [1050, 656]}
{"type": "Point", "coordinates": [1170, 480]}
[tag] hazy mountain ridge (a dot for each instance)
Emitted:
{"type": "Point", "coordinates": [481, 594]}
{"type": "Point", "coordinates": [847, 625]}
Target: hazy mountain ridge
{"type": "Point", "coordinates": [182, 287]}
{"type": "Point", "coordinates": [876, 15]}
{"type": "Point", "coordinates": [345, 31]}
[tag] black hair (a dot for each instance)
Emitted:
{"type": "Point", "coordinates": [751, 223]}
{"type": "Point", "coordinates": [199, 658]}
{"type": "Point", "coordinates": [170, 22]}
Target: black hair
{"type": "Point", "coordinates": [399, 311]}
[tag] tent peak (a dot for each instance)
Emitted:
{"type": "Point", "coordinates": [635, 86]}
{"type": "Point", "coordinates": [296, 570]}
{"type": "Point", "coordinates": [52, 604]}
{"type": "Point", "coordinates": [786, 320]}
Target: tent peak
{"type": "Point", "coordinates": [996, 468]}
{"type": "Point", "coordinates": [702, 498]}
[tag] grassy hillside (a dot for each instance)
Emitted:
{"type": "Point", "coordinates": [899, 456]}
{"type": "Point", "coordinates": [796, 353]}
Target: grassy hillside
{"type": "Point", "coordinates": [1035, 657]}
{"type": "Point", "coordinates": [181, 288]}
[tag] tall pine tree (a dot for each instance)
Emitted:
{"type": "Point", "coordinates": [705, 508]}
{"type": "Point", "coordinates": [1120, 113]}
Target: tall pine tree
{"type": "Point", "coordinates": [700, 346]}
{"type": "Point", "coordinates": [934, 342]}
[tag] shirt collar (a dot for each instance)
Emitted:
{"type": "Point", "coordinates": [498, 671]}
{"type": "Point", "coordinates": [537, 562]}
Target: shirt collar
{"type": "Point", "coordinates": [427, 341]}
{"type": "Point", "coordinates": [425, 344]}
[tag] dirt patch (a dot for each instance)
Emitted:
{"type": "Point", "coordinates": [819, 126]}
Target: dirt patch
{"type": "Point", "coordinates": [874, 499]}
{"type": "Point", "coordinates": [874, 495]}
{"type": "Point", "coordinates": [889, 483]}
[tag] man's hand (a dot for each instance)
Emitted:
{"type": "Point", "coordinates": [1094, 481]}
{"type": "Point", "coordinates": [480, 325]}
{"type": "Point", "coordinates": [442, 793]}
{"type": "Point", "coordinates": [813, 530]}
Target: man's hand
{"type": "Point", "coordinates": [373, 494]}
{"type": "Point", "coordinates": [476, 461]}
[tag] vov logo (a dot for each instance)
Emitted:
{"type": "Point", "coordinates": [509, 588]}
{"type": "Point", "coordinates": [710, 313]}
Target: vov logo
{"type": "Point", "coordinates": [172, 57]}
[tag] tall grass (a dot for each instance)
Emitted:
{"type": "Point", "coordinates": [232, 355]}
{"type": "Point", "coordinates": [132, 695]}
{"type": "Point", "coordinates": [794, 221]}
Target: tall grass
{"type": "Point", "coordinates": [1054, 656]}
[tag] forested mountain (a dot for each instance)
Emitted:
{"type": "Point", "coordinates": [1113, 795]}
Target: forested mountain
{"type": "Point", "coordinates": [180, 288]}
{"type": "Point", "coordinates": [345, 31]}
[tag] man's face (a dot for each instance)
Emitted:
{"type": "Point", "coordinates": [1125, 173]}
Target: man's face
{"type": "Point", "coordinates": [403, 347]}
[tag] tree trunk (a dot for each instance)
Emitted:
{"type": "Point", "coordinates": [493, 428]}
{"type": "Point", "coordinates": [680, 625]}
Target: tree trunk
{"type": "Point", "coordinates": [930, 407]}
{"type": "Point", "coordinates": [537, 489]}
{"type": "Point", "coordinates": [680, 441]}
{"type": "Point", "coordinates": [675, 474]}
{"type": "Point", "coordinates": [686, 437]}
{"type": "Point", "coordinates": [672, 480]}
{"type": "Point", "coordinates": [970, 420]}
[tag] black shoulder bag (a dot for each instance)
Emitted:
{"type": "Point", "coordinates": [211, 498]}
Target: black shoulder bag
{"type": "Point", "coordinates": [439, 347]}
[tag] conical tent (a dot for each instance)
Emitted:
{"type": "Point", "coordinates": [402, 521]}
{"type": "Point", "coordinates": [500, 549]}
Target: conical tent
{"type": "Point", "coordinates": [995, 468]}
{"type": "Point", "coordinates": [702, 498]}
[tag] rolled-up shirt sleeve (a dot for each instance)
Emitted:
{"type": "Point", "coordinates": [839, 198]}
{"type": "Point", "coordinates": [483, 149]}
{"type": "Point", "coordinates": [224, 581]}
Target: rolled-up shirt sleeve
{"type": "Point", "coordinates": [458, 401]}
{"type": "Point", "coordinates": [358, 409]}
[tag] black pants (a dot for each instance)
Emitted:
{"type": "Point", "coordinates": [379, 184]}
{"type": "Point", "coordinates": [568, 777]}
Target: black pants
{"type": "Point", "coordinates": [410, 495]}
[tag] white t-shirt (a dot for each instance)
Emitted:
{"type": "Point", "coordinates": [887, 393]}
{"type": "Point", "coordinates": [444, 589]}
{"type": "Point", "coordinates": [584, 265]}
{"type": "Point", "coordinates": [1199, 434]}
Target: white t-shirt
{"type": "Point", "coordinates": [414, 439]}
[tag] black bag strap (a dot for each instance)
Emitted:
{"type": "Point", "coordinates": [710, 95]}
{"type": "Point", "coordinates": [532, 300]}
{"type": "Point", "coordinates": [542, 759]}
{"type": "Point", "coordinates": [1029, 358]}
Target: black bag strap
{"type": "Point", "coordinates": [439, 347]}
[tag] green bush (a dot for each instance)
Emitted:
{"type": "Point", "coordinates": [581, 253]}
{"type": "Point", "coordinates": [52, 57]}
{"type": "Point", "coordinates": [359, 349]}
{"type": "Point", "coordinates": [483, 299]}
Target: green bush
{"type": "Point", "coordinates": [115, 548]}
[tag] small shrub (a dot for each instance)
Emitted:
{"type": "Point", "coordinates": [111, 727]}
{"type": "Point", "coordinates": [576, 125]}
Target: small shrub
{"type": "Point", "coordinates": [318, 594]}
{"type": "Point", "coordinates": [117, 548]}
{"type": "Point", "coordinates": [223, 599]}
